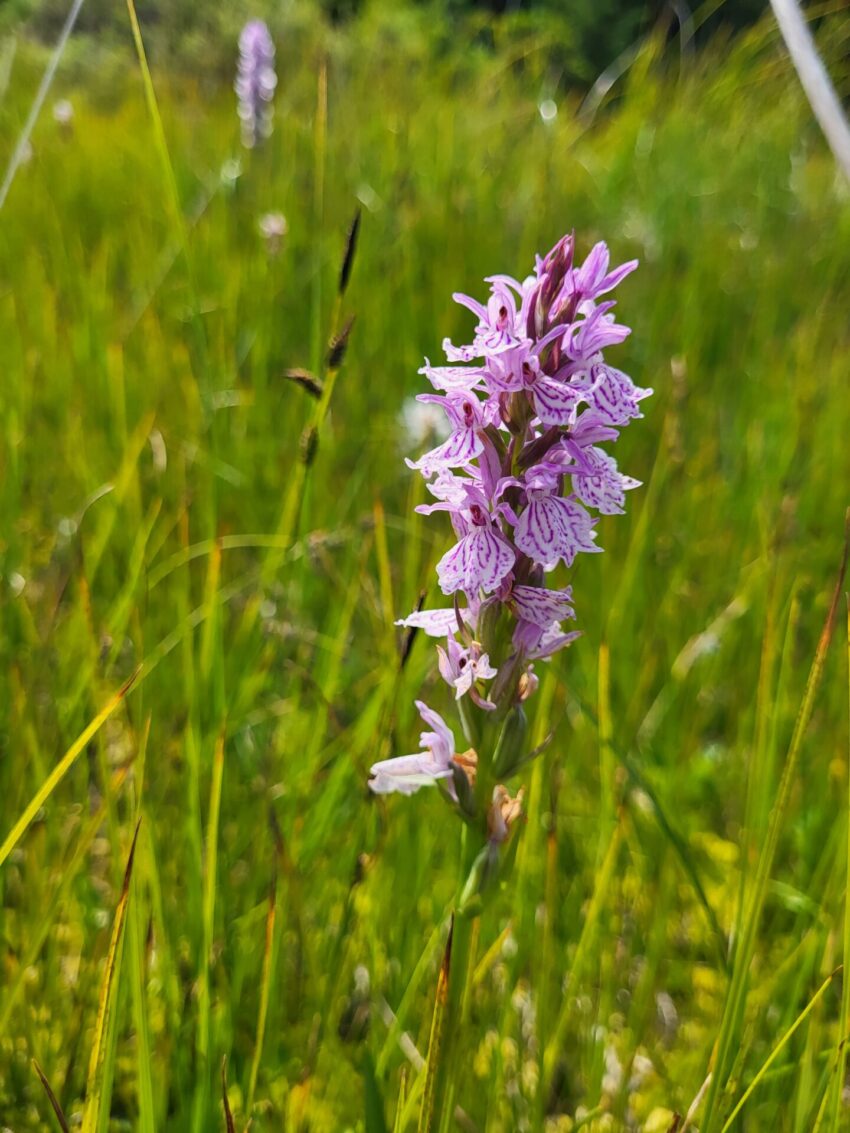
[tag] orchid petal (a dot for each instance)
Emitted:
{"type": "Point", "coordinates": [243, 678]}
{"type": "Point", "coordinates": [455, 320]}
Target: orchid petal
{"type": "Point", "coordinates": [554, 402]}
{"type": "Point", "coordinates": [479, 561]}
{"type": "Point", "coordinates": [551, 529]}
{"type": "Point", "coordinates": [436, 623]}
{"type": "Point", "coordinates": [540, 606]}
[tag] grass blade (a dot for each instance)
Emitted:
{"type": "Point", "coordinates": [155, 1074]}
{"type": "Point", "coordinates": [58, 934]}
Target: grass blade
{"type": "Point", "coordinates": [435, 1044]}
{"type": "Point", "coordinates": [604, 877]}
{"type": "Point", "coordinates": [320, 142]}
{"type": "Point", "coordinates": [385, 581]}
{"type": "Point", "coordinates": [208, 918]}
{"type": "Point", "coordinates": [682, 852]}
{"type": "Point", "coordinates": [138, 964]}
{"type": "Point", "coordinates": [375, 1121]}
{"type": "Point", "coordinates": [51, 906]}
{"type": "Point", "coordinates": [96, 1110]}
{"type": "Point", "coordinates": [159, 132]}
{"type": "Point", "coordinates": [396, 1028]}
{"type": "Point", "coordinates": [265, 991]}
{"type": "Point", "coordinates": [777, 1050]}
{"type": "Point", "coordinates": [196, 618]}
{"type": "Point", "coordinates": [61, 769]}
{"type": "Point", "coordinates": [398, 1124]}
{"type": "Point", "coordinates": [736, 996]}
{"type": "Point", "coordinates": [43, 87]}
{"type": "Point", "coordinates": [845, 991]}
{"type": "Point", "coordinates": [837, 1079]}
{"type": "Point", "coordinates": [815, 80]}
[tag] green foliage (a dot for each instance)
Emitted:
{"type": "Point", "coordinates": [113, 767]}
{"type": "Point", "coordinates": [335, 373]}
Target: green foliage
{"type": "Point", "coordinates": [156, 511]}
{"type": "Point", "coordinates": [583, 36]}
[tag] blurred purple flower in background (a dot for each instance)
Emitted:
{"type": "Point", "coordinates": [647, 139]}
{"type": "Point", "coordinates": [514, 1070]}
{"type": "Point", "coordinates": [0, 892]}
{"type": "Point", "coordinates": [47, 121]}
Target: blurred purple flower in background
{"type": "Point", "coordinates": [255, 82]}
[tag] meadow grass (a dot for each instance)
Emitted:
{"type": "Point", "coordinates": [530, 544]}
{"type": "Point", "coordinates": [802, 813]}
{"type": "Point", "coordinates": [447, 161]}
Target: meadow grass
{"type": "Point", "coordinates": [197, 627]}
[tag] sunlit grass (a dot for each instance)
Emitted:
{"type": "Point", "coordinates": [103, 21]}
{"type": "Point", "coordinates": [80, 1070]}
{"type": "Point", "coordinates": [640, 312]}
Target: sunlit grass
{"type": "Point", "coordinates": [154, 513]}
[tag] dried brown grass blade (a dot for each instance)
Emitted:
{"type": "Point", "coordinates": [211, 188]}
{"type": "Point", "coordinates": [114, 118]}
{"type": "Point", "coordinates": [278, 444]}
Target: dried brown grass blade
{"type": "Point", "coordinates": [348, 254]}
{"type": "Point", "coordinates": [51, 1097]}
{"type": "Point", "coordinates": [228, 1115]}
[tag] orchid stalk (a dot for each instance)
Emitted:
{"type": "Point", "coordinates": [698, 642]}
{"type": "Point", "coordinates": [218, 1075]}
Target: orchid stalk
{"type": "Point", "coordinates": [530, 403]}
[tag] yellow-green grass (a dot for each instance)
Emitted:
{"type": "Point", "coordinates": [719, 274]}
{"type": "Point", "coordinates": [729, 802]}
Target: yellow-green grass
{"type": "Point", "coordinates": [663, 917]}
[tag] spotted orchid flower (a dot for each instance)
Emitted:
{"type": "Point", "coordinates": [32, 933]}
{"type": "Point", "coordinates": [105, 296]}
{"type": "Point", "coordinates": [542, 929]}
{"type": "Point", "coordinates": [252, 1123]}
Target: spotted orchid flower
{"type": "Point", "coordinates": [532, 405]}
{"type": "Point", "coordinates": [600, 485]}
{"type": "Point", "coordinates": [498, 327]}
{"type": "Point", "coordinates": [461, 668]}
{"type": "Point", "coordinates": [407, 773]}
{"type": "Point", "coordinates": [467, 419]}
{"type": "Point", "coordinates": [551, 527]}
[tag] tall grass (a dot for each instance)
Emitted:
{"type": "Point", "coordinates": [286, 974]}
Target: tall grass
{"type": "Point", "coordinates": [277, 915]}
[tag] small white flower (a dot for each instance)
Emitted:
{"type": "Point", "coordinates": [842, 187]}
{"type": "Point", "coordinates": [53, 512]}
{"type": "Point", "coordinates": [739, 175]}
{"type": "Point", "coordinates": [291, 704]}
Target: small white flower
{"type": "Point", "coordinates": [63, 112]}
{"type": "Point", "coordinates": [420, 421]}
{"type": "Point", "coordinates": [273, 229]}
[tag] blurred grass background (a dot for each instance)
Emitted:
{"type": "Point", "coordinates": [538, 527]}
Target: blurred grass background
{"type": "Point", "coordinates": [277, 914]}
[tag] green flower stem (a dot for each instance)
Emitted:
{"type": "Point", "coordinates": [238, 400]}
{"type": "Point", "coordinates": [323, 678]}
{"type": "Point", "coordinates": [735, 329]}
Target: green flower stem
{"type": "Point", "coordinates": [462, 961]}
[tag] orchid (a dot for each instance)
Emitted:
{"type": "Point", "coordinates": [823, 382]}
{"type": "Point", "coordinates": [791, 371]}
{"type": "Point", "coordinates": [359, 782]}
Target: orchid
{"type": "Point", "coordinates": [255, 82]}
{"type": "Point", "coordinates": [523, 474]}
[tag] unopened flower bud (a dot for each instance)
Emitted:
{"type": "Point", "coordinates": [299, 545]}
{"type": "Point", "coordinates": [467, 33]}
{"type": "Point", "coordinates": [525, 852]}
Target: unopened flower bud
{"type": "Point", "coordinates": [536, 322]}
{"type": "Point", "coordinates": [515, 411]}
{"type": "Point", "coordinates": [462, 782]}
{"type": "Point", "coordinates": [510, 750]}
{"type": "Point", "coordinates": [555, 267]}
{"type": "Point", "coordinates": [503, 691]}
{"type": "Point", "coordinates": [490, 618]}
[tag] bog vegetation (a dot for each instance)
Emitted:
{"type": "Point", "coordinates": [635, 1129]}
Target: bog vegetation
{"type": "Point", "coordinates": [207, 531]}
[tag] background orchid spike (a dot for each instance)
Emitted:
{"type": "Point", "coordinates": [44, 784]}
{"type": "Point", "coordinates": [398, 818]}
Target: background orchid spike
{"type": "Point", "coordinates": [255, 82]}
{"type": "Point", "coordinates": [529, 403]}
